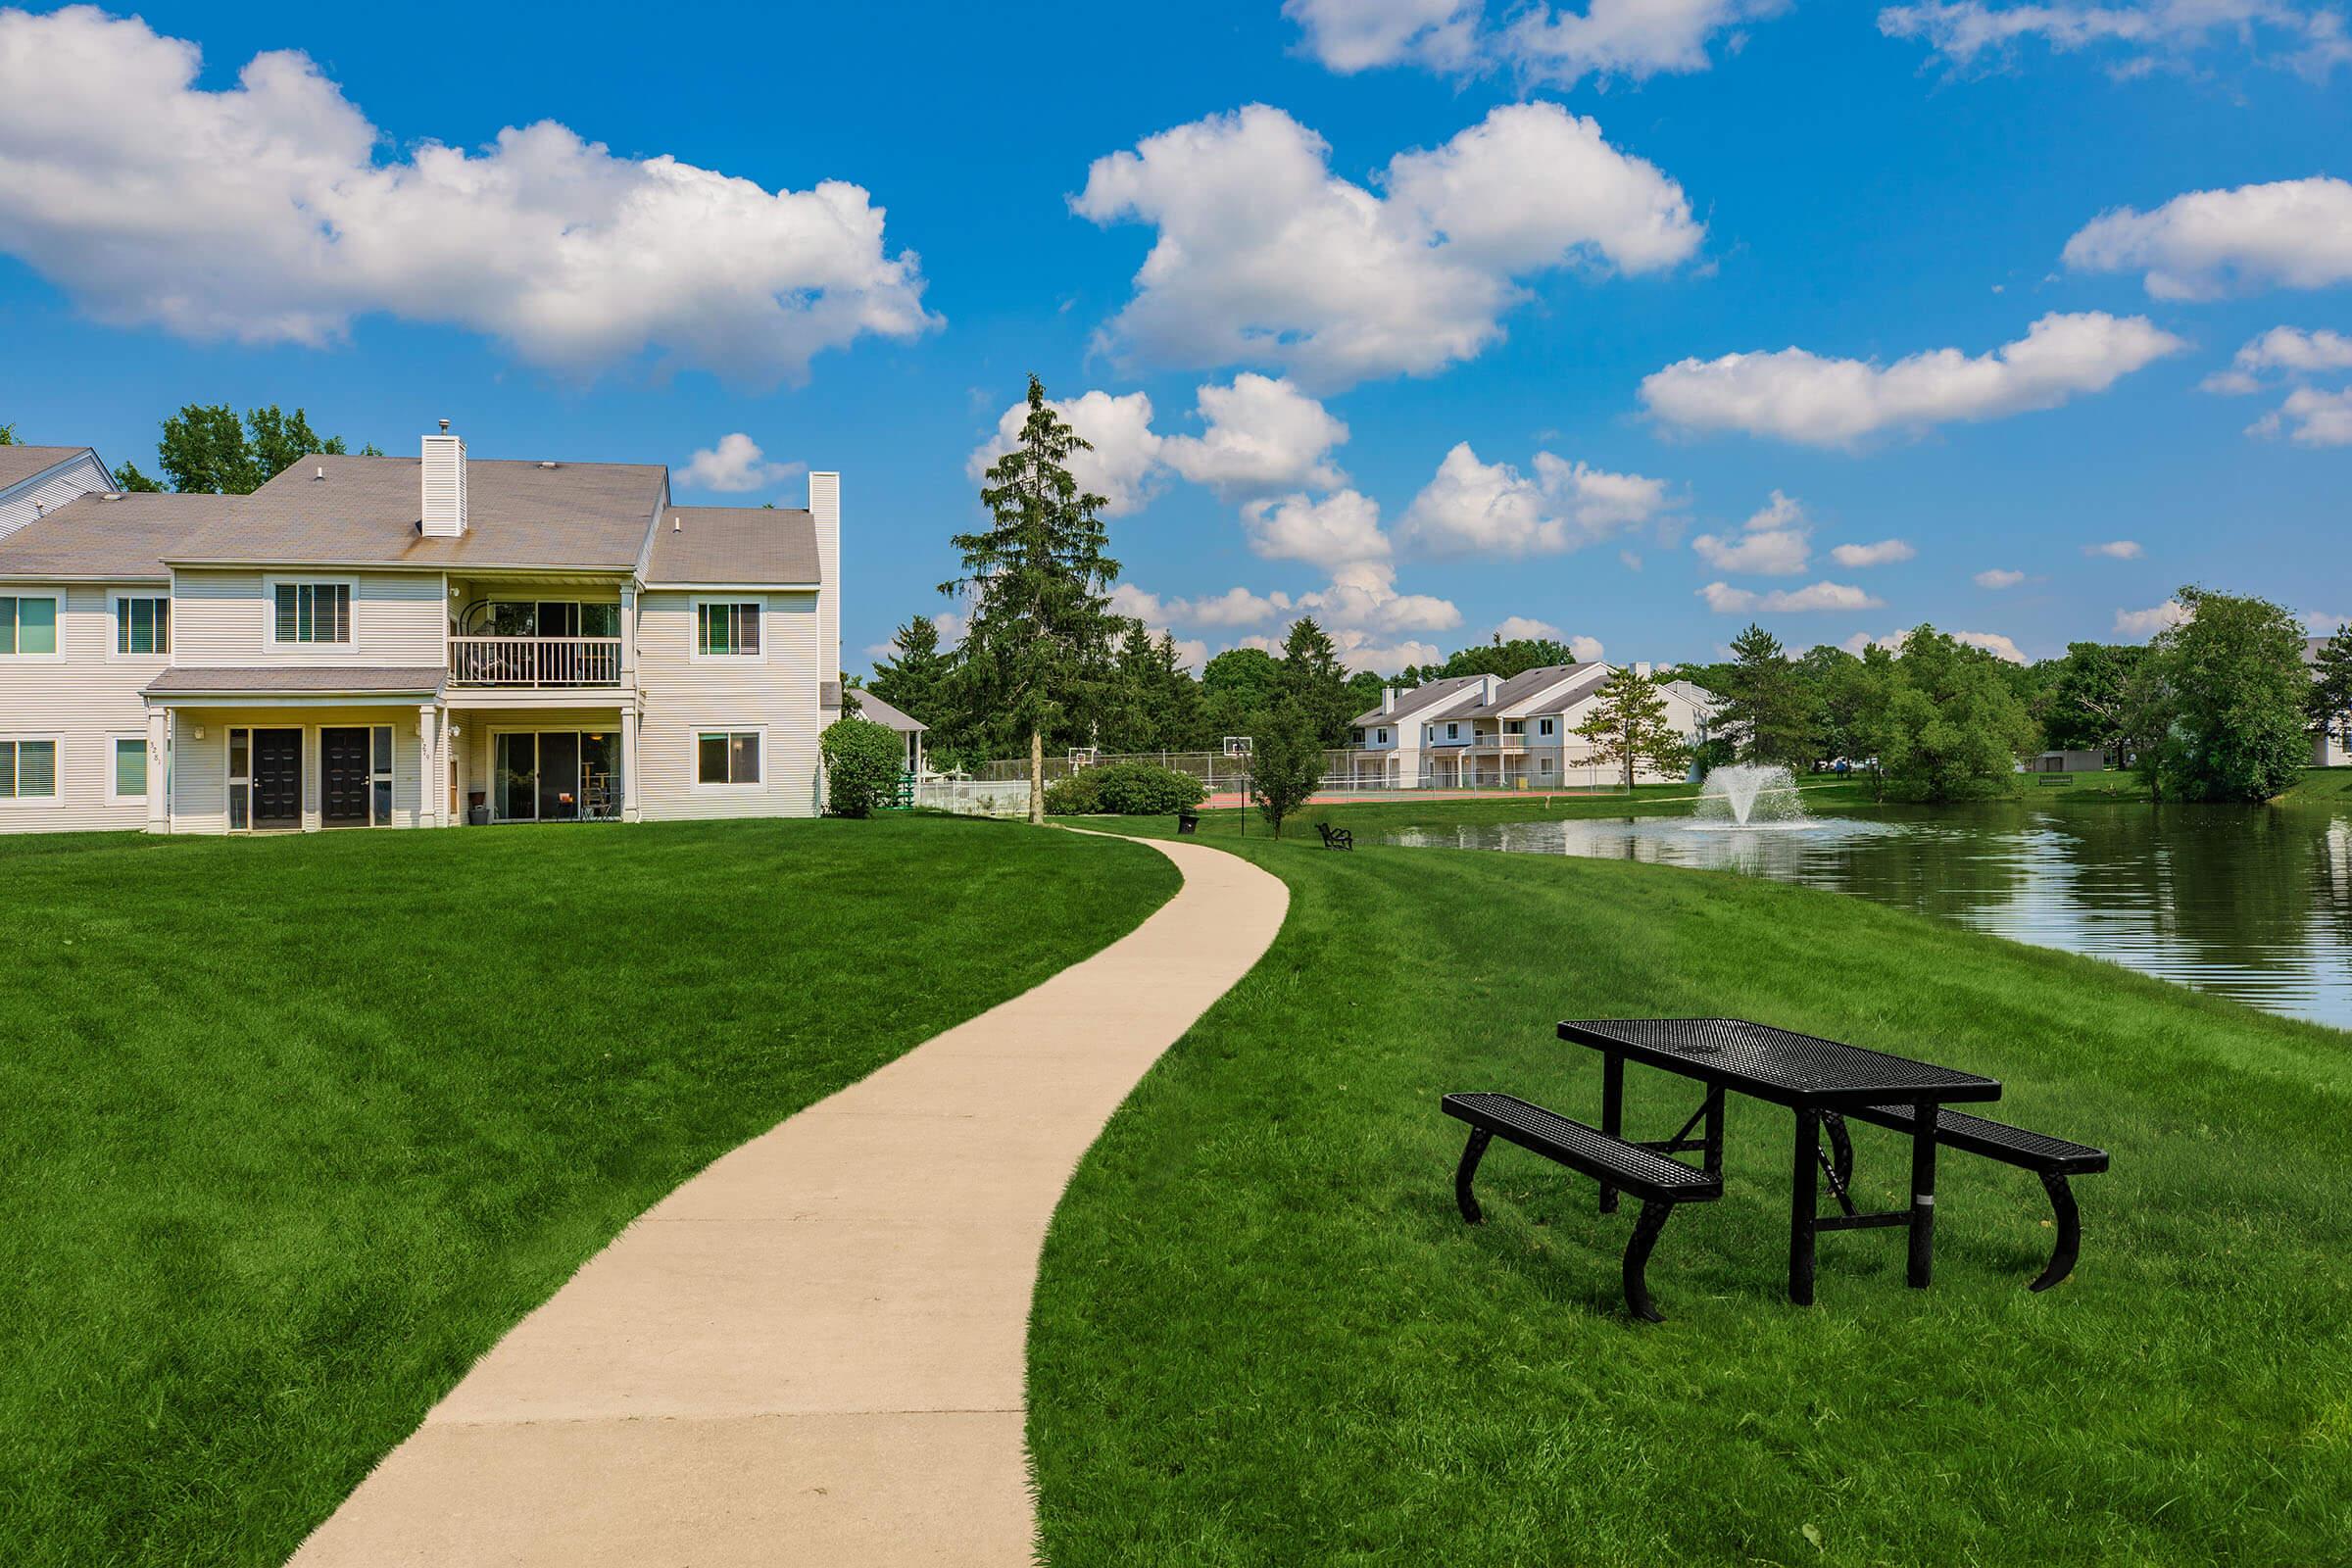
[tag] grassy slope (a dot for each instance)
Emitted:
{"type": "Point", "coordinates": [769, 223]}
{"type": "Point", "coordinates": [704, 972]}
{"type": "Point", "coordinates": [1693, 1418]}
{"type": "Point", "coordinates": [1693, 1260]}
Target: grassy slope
{"type": "Point", "coordinates": [296, 1128]}
{"type": "Point", "coordinates": [1263, 1336]}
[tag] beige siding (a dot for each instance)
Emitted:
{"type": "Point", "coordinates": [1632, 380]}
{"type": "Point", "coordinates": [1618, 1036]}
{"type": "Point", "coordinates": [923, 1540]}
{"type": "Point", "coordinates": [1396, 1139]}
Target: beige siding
{"type": "Point", "coordinates": [399, 618]}
{"type": "Point", "coordinates": [200, 784]}
{"type": "Point", "coordinates": [26, 506]}
{"type": "Point", "coordinates": [685, 696]}
{"type": "Point", "coordinates": [84, 696]}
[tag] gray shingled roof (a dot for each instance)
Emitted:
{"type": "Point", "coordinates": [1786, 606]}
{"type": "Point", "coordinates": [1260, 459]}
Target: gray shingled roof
{"type": "Point", "coordinates": [734, 544]}
{"type": "Point", "coordinates": [881, 712]}
{"type": "Point", "coordinates": [1413, 699]}
{"type": "Point", "coordinates": [296, 679]}
{"type": "Point", "coordinates": [1519, 688]}
{"type": "Point", "coordinates": [19, 464]}
{"type": "Point", "coordinates": [365, 512]}
{"type": "Point", "coordinates": [128, 537]}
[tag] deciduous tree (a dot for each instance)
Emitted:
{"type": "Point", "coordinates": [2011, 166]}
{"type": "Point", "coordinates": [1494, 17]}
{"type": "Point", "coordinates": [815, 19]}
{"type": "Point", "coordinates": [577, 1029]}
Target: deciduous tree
{"type": "Point", "coordinates": [2235, 691]}
{"type": "Point", "coordinates": [1952, 720]}
{"type": "Point", "coordinates": [1286, 762]}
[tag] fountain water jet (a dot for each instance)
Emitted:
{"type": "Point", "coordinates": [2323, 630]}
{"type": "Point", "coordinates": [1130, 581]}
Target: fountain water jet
{"type": "Point", "coordinates": [1745, 794]}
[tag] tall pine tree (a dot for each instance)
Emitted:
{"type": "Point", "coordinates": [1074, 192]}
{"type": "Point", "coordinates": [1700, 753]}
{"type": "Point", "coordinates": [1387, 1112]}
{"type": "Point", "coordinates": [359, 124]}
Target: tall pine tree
{"type": "Point", "coordinates": [1039, 577]}
{"type": "Point", "coordinates": [1628, 728]}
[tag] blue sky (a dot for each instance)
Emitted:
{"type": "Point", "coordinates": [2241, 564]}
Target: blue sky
{"type": "Point", "coordinates": [1509, 250]}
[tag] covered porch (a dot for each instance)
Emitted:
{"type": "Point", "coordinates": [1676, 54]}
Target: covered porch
{"type": "Point", "coordinates": [516, 761]}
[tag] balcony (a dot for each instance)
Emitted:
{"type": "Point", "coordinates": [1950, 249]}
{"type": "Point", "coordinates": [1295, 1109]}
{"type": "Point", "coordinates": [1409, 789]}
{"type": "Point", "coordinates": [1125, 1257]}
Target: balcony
{"type": "Point", "coordinates": [540, 663]}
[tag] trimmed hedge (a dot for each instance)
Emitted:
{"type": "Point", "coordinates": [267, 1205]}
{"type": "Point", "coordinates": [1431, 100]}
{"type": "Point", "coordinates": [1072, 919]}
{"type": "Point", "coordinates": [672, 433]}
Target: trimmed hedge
{"type": "Point", "coordinates": [1123, 789]}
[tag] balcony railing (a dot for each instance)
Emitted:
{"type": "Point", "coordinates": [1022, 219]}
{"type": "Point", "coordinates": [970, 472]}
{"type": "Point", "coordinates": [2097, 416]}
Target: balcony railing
{"type": "Point", "coordinates": [536, 662]}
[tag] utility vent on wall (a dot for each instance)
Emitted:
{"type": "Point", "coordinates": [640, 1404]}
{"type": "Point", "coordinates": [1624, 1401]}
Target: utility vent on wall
{"type": "Point", "coordinates": [444, 485]}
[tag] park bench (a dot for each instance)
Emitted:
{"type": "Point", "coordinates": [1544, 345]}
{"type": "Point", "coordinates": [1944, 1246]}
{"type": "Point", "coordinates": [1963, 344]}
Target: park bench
{"type": "Point", "coordinates": [2054, 1159]}
{"type": "Point", "coordinates": [1187, 820]}
{"type": "Point", "coordinates": [1336, 838]}
{"type": "Point", "coordinates": [1658, 1182]}
{"type": "Point", "coordinates": [2054, 780]}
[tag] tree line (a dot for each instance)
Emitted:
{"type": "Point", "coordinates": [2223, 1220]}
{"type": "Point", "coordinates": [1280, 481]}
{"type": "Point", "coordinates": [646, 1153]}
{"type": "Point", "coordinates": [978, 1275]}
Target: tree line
{"type": "Point", "coordinates": [2217, 708]}
{"type": "Point", "coordinates": [208, 450]}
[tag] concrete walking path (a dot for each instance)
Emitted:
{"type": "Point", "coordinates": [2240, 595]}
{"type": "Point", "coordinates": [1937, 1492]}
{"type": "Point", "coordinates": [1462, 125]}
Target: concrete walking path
{"type": "Point", "coordinates": [812, 1352]}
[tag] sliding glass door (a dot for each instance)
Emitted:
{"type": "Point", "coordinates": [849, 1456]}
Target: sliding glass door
{"type": "Point", "coordinates": [557, 775]}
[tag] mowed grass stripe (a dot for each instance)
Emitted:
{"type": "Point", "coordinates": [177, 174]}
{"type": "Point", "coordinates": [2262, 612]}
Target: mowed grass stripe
{"type": "Point", "coordinates": [1265, 1335]}
{"type": "Point", "coordinates": [295, 1129]}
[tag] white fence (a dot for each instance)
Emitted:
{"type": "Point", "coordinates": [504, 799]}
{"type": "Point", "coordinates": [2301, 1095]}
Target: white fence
{"type": "Point", "coordinates": [972, 796]}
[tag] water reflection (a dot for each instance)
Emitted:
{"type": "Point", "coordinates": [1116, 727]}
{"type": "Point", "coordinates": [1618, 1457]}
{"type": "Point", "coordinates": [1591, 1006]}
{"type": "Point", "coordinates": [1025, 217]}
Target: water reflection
{"type": "Point", "coordinates": [2255, 905]}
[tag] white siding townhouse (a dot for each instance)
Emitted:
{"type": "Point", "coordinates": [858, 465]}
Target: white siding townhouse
{"type": "Point", "coordinates": [2328, 748]}
{"type": "Point", "coordinates": [1483, 731]}
{"type": "Point", "coordinates": [411, 642]}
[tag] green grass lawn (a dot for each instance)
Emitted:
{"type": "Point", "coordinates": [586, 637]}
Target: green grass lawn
{"type": "Point", "coordinates": [1263, 1335]}
{"type": "Point", "coordinates": [295, 1129]}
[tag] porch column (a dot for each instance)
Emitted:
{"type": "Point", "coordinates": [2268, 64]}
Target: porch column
{"type": "Point", "coordinates": [456, 741]}
{"type": "Point", "coordinates": [628, 755]}
{"type": "Point", "coordinates": [628, 649]}
{"type": "Point", "coordinates": [159, 768]}
{"type": "Point", "coordinates": [428, 767]}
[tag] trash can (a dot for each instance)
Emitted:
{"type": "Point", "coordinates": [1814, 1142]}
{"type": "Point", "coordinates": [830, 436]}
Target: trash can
{"type": "Point", "coordinates": [1187, 820]}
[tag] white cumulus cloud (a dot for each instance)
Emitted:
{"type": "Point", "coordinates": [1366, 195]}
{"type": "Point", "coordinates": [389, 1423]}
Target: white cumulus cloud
{"type": "Point", "coordinates": [1540, 43]}
{"type": "Point", "coordinates": [1262, 435]}
{"type": "Point", "coordinates": [1773, 543]}
{"type": "Point", "coordinates": [1329, 531]}
{"type": "Point", "coordinates": [2289, 233]}
{"type": "Point", "coordinates": [1994, 643]}
{"type": "Point", "coordinates": [1364, 594]}
{"type": "Point", "coordinates": [2138, 35]}
{"type": "Point", "coordinates": [2151, 620]}
{"type": "Point", "coordinates": [264, 213]}
{"type": "Point", "coordinates": [2284, 349]}
{"type": "Point", "coordinates": [1799, 396]}
{"type": "Point", "coordinates": [1514, 628]}
{"type": "Point", "coordinates": [1885, 553]}
{"type": "Point", "coordinates": [1263, 254]}
{"type": "Point", "coordinates": [1726, 599]}
{"type": "Point", "coordinates": [1492, 509]}
{"type": "Point", "coordinates": [1259, 435]}
{"type": "Point", "coordinates": [2309, 418]}
{"type": "Point", "coordinates": [2114, 549]}
{"type": "Point", "coordinates": [1999, 577]}
{"type": "Point", "coordinates": [736, 464]}
{"type": "Point", "coordinates": [1352, 35]}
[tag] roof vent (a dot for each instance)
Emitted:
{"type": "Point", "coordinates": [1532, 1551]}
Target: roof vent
{"type": "Point", "coordinates": [445, 427]}
{"type": "Point", "coordinates": [319, 473]}
{"type": "Point", "coordinates": [677, 523]}
{"type": "Point", "coordinates": [544, 464]}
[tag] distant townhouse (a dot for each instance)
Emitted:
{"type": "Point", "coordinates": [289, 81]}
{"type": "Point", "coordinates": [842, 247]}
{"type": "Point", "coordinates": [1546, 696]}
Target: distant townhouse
{"type": "Point", "coordinates": [1486, 731]}
{"type": "Point", "coordinates": [410, 641]}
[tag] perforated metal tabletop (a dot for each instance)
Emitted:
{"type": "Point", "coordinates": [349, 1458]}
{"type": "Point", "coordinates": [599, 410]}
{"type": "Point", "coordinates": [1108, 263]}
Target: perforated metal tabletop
{"type": "Point", "coordinates": [1776, 1064]}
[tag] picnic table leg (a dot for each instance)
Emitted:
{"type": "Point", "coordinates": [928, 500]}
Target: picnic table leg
{"type": "Point", "coordinates": [1923, 1198]}
{"type": "Point", "coordinates": [1714, 1134]}
{"type": "Point", "coordinates": [1612, 1115]}
{"type": "Point", "coordinates": [1803, 1201]}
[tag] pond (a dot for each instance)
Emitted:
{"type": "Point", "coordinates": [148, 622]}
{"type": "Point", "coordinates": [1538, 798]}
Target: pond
{"type": "Point", "coordinates": [2253, 903]}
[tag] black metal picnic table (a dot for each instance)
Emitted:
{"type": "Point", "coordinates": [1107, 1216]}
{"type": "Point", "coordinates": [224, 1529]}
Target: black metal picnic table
{"type": "Point", "coordinates": [1820, 1080]}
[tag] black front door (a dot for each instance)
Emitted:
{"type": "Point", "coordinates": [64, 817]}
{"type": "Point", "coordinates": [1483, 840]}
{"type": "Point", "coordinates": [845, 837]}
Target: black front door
{"type": "Point", "coordinates": [277, 778]}
{"type": "Point", "coordinates": [343, 778]}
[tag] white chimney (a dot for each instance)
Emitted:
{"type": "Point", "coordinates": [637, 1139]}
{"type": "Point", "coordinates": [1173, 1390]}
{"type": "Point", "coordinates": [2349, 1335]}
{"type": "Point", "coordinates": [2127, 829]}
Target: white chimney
{"type": "Point", "coordinates": [824, 511]}
{"type": "Point", "coordinates": [1488, 687]}
{"type": "Point", "coordinates": [444, 485]}
{"type": "Point", "coordinates": [1387, 698]}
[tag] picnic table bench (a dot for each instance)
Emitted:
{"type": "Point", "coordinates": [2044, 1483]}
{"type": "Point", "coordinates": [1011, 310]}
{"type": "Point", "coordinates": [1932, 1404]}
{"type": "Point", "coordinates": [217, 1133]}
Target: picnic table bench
{"type": "Point", "coordinates": [1824, 1083]}
{"type": "Point", "coordinates": [1658, 1181]}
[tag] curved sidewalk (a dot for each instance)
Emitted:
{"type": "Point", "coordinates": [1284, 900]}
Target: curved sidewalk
{"type": "Point", "coordinates": [812, 1352]}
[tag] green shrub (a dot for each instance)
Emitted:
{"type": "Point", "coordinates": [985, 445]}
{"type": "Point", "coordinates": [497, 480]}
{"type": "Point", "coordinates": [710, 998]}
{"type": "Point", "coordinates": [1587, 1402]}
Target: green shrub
{"type": "Point", "coordinates": [862, 764]}
{"type": "Point", "coordinates": [1123, 789]}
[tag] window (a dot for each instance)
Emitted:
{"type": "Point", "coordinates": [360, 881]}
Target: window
{"type": "Point", "coordinates": [1359, 736]}
{"type": "Point", "coordinates": [1383, 737]}
{"type": "Point", "coordinates": [379, 776]}
{"type": "Point", "coordinates": [1543, 727]}
{"type": "Point", "coordinates": [130, 779]}
{"type": "Point", "coordinates": [312, 613]}
{"type": "Point", "coordinates": [28, 625]}
{"type": "Point", "coordinates": [1453, 732]}
{"type": "Point", "coordinates": [142, 625]}
{"type": "Point", "coordinates": [27, 770]}
{"type": "Point", "coordinates": [1544, 766]}
{"type": "Point", "coordinates": [726, 630]}
{"type": "Point", "coordinates": [1514, 726]}
{"type": "Point", "coordinates": [727, 759]}
{"type": "Point", "coordinates": [240, 778]}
